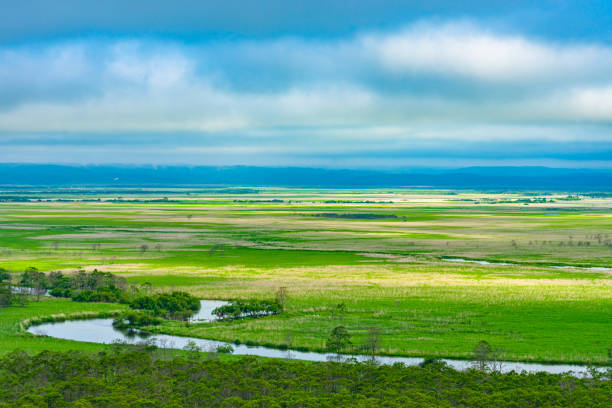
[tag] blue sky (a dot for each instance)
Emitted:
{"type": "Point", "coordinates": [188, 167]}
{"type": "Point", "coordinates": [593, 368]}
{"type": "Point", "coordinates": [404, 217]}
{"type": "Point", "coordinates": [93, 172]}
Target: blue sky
{"type": "Point", "coordinates": [360, 84]}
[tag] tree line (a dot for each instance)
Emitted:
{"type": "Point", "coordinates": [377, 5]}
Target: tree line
{"type": "Point", "coordinates": [97, 286]}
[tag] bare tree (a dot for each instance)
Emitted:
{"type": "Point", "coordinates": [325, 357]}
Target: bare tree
{"type": "Point", "coordinates": [338, 311]}
{"type": "Point", "coordinates": [289, 343]}
{"type": "Point", "coordinates": [281, 296]}
{"type": "Point", "coordinates": [372, 342]}
{"type": "Point", "coordinates": [486, 358]}
{"type": "Point", "coordinates": [147, 287]}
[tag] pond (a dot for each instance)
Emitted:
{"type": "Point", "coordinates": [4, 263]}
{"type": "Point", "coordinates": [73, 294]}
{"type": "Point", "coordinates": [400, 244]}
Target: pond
{"type": "Point", "coordinates": [102, 331]}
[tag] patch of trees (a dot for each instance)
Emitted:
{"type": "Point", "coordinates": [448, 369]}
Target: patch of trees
{"type": "Point", "coordinates": [250, 308]}
{"type": "Point", "coordinates": [108, 295]}
{"type": "Point", "coordinates": [175, 305]}
{"type": "Point", "coordinates": [570, 198]}
{"type": "Point", "coordinates": [95, 286]}
{"type": "Point", "coordinates": [35, 280]}
{"type": "Point", "coordinates": [356, 216]}
{"type": "Point", "coordinates": [136, 319]}
{"type": "Point", "coordinates": [536, 200]}
{"type": "Point", "coordinates": [143, 376]}
{"type": "Point", "coordinates": [597, 195]}
{"type": "Point", "coordinates": [275, 200]}
{"type": "Point", "coordinates": [339, 341]}
{"type": "Point", "coordinates": [233, 191]}
{"type": "Point", "coordinates": [8, 295]}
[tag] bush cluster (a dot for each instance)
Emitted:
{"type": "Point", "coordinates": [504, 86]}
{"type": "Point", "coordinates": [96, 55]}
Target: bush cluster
{"type": "Point", "coordinates": [175, 305]}
{"type": "Point", "coordinates": [135, 319]}
{"type": "Point", "coordinates": [250, 308]}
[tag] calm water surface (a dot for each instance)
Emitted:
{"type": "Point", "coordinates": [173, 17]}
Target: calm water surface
{"type": "Point", "coordinates": [590, 268]}
{"type": "Point", "coordinates": [102, 331]}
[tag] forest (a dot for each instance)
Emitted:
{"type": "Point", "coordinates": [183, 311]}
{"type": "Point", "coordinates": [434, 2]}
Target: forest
{"type": "Point", "coordinates": [142, 376]}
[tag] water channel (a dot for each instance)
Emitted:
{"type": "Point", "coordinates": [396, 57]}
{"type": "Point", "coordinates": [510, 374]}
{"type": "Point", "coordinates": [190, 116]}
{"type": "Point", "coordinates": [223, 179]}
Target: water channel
{"type": "Point", "coordinates": [102, 331]}
{"type": "Point", "coordinates": [590, 268]}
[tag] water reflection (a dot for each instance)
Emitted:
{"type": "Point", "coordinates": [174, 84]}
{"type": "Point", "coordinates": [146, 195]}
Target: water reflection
{"type": "Point", "coordinates": [205, 312]}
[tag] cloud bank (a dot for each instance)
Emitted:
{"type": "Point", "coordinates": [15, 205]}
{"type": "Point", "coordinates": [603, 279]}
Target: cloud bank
{"type": "Point", "coordinates": [455, 93]}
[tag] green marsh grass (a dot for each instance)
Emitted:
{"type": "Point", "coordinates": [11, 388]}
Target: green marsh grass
{"type": "Point", "coordinates": [388, 272]}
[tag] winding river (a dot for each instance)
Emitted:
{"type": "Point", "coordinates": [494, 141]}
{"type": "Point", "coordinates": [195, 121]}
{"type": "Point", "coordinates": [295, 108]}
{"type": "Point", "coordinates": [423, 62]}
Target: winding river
{"type": "Point", "coordinates": [102, 331]}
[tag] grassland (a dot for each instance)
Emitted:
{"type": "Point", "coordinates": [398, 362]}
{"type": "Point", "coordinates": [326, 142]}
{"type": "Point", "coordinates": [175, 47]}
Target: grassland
{"type": "Point", "coordinates": [380, 252]}
{"type": "Point", "coordinates": [13, 321]}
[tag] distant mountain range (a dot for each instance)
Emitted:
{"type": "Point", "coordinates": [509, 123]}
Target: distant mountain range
{"type": "Point", "coordinates": [486, 178]}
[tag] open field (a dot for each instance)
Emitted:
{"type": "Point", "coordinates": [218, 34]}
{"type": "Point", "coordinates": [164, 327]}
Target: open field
{"type": "Point", "coordinates": [380, 252]}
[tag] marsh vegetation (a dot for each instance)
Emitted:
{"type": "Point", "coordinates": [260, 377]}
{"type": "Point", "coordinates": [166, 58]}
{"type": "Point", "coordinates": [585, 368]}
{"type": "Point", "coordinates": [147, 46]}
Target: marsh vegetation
{"type": "Point", "coordinates": [326, 248]}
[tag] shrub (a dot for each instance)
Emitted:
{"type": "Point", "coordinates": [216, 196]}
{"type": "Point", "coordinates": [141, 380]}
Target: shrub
{"type": "Point", "coordinates": [61, 292]}
{"type": "Point", "coordinates": [136, 319]}
{"type": "Point", "coordinates": [225, 348]}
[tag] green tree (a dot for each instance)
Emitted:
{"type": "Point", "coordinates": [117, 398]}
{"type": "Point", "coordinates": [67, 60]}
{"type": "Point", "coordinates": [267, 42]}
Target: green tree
{"type": "Point", "coordinates": [34, 279]}
{"type": "Point", "coordinates": [4, 275]}
{"type": "Point", "coordinates": [6, 293]}
{"type": "Point", "coordinates": [339, 339]}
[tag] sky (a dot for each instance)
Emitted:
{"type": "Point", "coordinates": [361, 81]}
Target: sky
{"type": "Point", "coordinates": [337, 84]}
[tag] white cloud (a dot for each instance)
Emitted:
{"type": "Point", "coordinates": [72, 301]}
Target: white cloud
{"type": "Point", "coordinates": [464, 50]}
{"type": "Point", "coordinates": [592, 103]}
{"type": "Point", "coordinates": [164, 68]}
{"type": "Point", "coordinates": [397, 88]}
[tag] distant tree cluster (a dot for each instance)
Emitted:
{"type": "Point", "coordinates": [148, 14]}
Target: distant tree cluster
{"type": "Point", "coordinates": [357, 216]}
{"type": "Point", "coordinates": [275, 200]}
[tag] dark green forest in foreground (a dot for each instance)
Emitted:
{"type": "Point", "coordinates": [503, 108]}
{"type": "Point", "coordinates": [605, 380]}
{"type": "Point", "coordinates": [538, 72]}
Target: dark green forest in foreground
{"type": "Point", "coordinates": [128, 377]}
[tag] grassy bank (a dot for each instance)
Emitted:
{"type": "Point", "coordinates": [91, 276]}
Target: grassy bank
{"type": "Point", "coordinates": [539, 322]}
{"type": "Point", "coordinates": [15, 319]}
